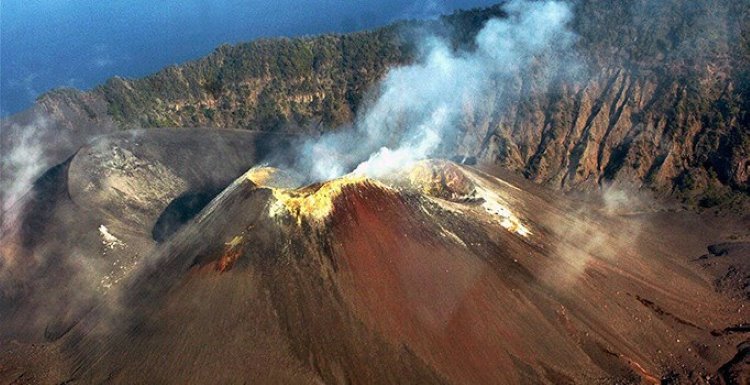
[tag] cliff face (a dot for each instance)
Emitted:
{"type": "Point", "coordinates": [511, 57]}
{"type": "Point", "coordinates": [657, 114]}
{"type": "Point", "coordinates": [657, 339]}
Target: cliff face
{"type": "Point", "coordinates": [661, 101]}
{"type": "Point", "coordinates": [664, 104]}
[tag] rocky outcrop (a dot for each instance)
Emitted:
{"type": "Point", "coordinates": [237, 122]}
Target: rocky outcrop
{"type": "Point", "coordinates": [736, 371]}
{"type": "Point", "coordinates": [661, 99]}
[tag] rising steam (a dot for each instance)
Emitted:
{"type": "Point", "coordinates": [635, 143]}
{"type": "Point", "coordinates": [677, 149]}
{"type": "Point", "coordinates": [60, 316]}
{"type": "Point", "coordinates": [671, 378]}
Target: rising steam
{"type": "Point", "coordinates": [421, 105]}
{"type": "Point", "coordinates": [21, 164]}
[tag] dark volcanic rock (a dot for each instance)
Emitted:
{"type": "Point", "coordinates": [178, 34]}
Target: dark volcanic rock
{"type": "Point", "coordinates": [737, 371]}
{"type": "Point", "coordinates": [730, 263]}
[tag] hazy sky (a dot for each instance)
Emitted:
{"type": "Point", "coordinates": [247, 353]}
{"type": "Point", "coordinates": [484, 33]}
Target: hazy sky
{"type": "Point", "coordinates": [80, 43]}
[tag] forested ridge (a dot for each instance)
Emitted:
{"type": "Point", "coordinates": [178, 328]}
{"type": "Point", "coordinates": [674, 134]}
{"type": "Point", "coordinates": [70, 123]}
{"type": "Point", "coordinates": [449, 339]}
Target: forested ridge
{"type": "Point", "coordinates": [662, 100]}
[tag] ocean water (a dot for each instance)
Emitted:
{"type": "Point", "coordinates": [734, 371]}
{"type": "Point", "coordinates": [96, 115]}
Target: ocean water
{"type": "Point", "coordinates": [45, 44]}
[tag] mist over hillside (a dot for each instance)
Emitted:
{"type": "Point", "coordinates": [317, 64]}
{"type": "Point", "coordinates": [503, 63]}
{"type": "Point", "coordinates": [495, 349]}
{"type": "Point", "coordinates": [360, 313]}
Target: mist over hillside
{"type": "Point", "coordinates": [659, 101]}
{"type": "Point", "coordinates": [537, 192]}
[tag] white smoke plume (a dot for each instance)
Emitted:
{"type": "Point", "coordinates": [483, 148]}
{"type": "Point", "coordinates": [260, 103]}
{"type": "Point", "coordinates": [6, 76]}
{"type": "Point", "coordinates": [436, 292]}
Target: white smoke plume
{"type": "Point", "coordinates": [22, 163]}
{"type": "Point", "coordinates": [604, 225]}
{"type": "Point", "coordinates": [421, 105]}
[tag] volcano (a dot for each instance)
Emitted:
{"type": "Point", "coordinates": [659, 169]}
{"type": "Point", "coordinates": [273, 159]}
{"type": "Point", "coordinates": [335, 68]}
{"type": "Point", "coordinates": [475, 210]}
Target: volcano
{"type": "Point", "coordinates": [234, 271]}
{"type": "Point", "coordinates": [536, 192]}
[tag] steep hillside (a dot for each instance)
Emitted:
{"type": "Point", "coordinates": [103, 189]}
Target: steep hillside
{"type": "Point", "coordinates": [439, 274]}
{"type": "Point", "coordinates": [661, 99]}
{"type": "Point", "coordinates": [91, 219]}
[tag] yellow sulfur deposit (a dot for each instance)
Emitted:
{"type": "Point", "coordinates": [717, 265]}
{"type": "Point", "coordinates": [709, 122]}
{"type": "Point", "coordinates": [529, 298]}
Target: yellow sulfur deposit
{"type": "Point", "coordinates": [496, 206]}
{"type": "Point", "coordinates": [272, 177]}
{"type": "Point", "coordinates": [314, 202]}
{"type": "Point", "coordinates": [448, 181]}
{"type": "Point", "coordinates": [440, 179]}
{"type": "Point", "coordinates": [236, 241]}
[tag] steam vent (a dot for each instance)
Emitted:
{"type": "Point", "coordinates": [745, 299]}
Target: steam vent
{"type": "Point", "coordinates": [439, 273]}
{"type": "Point", "coordinates": [547, 192]}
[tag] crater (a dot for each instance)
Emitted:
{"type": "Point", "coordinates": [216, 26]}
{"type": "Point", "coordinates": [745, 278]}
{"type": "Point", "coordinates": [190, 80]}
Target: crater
{"type": "Point", "coordinates": [181, 210]}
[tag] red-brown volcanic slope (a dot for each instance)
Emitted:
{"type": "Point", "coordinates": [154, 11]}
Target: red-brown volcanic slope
{"type": "Point", "coordinates": [366, 282]}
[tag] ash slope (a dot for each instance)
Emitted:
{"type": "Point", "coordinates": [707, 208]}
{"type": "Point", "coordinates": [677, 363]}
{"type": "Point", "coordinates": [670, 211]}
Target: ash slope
{"type": "Point", "coordinates": [88, 221]}
{"type": "Point", "coordinates": [444, 274]}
